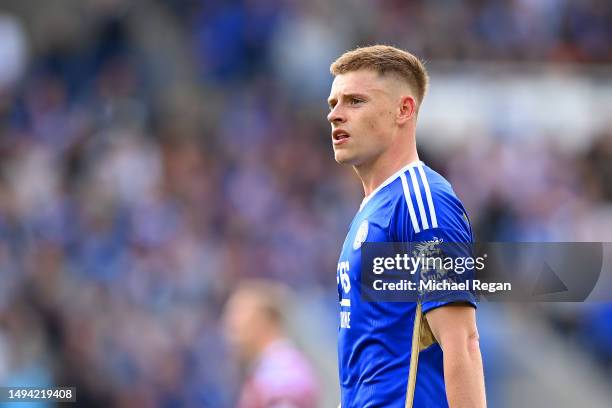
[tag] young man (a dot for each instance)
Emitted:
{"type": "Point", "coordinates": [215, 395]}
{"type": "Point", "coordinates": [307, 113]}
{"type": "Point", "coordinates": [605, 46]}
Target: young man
{"type": "Point", "coordinates": [277, 374]}
{"type": "Point", "coordinates": [374, 102]}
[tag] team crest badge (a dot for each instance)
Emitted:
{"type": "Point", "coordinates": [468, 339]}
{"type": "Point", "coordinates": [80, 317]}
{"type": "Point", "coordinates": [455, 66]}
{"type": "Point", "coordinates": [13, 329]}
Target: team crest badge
{"type": "Point", "coordinates": [362, 234]}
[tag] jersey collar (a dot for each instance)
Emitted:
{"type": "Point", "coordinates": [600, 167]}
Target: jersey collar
{"type": "Point", "coordinates": [387, 181]}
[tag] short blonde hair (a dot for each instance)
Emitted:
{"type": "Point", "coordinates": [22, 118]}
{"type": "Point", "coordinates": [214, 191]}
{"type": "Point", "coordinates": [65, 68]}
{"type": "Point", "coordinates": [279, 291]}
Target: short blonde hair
{"type": "Point", "coordinates": [385, 59]}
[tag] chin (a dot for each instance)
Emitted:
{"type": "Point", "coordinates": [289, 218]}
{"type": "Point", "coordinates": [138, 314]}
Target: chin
{"type": "Point", "coordinates": [343, 158]}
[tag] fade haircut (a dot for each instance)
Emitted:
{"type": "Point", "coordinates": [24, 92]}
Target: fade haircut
{"type": "Point", "coordinates": [385, 59]}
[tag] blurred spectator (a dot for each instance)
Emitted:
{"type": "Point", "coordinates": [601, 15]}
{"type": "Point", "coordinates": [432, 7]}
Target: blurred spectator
{"type": "Point", "coordinates": [13, 51]}
{"type": "Point", "coordinates": [277, 374]}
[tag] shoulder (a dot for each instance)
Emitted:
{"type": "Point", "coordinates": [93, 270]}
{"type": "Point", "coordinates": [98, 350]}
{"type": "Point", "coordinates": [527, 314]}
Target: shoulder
{"type": "Point", "coordinates": [425, 200]}
{"type": "Point", "coordinates": [445, 202]}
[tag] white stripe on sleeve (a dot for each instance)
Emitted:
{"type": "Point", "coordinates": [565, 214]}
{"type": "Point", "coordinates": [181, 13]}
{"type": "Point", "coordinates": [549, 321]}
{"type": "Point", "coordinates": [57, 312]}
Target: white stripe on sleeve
{"type": "Point", "coordinates": [430, 204]}
{"type": "Point", "coordinates": [417, 193]}
{"type": "Point", "coordinates": [415, 224]}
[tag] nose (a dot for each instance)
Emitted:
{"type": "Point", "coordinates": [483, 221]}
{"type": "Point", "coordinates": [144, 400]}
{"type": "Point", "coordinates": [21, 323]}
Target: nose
{"type": "Point", "coordinates": [336, 115]}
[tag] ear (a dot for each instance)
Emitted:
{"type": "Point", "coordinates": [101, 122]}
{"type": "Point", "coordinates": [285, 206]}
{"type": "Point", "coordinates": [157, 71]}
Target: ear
{"type": "Point", "coordinates": [407, 109]}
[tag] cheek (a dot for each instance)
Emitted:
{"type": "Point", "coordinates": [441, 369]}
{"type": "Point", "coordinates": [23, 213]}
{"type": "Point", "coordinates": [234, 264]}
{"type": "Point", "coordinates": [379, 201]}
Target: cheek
{"type": "Point", "coordinates": [379, 124]}
{"type": "Point", "coordinates": [237, 323]}
{"type": "Point", "coordinates": [371, 124]}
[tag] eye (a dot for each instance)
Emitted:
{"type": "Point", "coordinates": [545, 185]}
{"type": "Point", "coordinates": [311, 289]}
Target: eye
{"type": "Point", "coordinates": [355, 101]}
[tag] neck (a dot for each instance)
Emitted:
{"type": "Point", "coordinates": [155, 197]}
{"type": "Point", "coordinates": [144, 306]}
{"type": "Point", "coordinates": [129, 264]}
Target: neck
{"type": "Point", "coordinates": [264, 342]}
{"type": "Point", "coordinates": [373, 174]}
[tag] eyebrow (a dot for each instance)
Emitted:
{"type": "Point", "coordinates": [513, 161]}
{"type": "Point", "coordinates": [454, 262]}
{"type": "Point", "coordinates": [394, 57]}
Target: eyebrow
{"type": "Point", "coordinates": [347, 95]}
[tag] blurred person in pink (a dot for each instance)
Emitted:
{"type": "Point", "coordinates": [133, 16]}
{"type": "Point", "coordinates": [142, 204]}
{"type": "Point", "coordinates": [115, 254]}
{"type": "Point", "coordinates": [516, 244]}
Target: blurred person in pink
{"type": "Point", "coordinates": [276, 373]}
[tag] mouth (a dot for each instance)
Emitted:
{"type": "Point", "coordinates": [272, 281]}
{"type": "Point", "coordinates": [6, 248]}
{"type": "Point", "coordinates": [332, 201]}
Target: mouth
{"type": "Point", "coordinates": [339, 137]}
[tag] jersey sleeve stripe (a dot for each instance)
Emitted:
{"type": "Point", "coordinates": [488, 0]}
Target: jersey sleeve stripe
{"type": "Point", "coordinates": [419, 199]}
{"type": "Point", "coordinates": [415, 224]}
{"type": "Point", "coordinates": [430, 204]}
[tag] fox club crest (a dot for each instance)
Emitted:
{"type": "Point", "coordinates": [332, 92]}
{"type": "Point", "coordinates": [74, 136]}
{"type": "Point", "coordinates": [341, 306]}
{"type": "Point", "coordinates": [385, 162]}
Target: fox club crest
{"type": "Point", "coordinates": [362, 234]}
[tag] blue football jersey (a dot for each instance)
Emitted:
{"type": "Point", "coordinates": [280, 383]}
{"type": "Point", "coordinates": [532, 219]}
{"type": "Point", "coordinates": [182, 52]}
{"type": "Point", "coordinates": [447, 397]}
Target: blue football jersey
{"type": "Point", "coordinates": [374, 344]}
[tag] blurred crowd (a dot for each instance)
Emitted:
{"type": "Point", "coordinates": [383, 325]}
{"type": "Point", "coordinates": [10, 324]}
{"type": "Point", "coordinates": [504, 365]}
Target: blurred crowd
{"type": "Point", "coordinates": [128, 212]}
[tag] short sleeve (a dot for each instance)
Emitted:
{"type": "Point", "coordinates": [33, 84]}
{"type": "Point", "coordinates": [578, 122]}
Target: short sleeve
{"type": "Point", "coordinates": [454, 245]}
{"type": "Point", "coordinates": [434, 215]}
